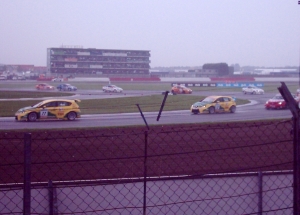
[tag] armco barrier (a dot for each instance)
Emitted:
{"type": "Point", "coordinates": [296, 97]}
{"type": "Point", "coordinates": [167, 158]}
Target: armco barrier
{"type": "Point", "coordinates": [113, 79]}
{"type": "Point", "coordinates": [232, 79]}
{"type": "Point", "coordinates": [242, 84]}
{"type": "Point", "coordinates": [220, 84]}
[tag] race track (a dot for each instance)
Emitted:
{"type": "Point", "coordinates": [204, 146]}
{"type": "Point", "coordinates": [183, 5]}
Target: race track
{"type": "Point", "coordinates": [253, 111]}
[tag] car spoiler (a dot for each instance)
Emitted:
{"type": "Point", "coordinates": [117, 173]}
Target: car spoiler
{"type": "Point", "coordinates": [77, 100]}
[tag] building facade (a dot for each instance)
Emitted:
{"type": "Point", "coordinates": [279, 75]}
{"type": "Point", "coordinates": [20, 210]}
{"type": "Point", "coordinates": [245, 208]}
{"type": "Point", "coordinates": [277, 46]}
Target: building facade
{"type": "Point", "coordinates": [97, 61]}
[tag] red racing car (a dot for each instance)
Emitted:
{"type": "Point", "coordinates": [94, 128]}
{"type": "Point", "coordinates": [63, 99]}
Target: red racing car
{"type": "Point", "coordinates": [277, 102]}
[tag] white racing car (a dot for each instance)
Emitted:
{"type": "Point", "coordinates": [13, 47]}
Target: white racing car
{"type": "Point", "coordinates": [112, 88]}
{"type": "Point", "coordinates": [252, 90]}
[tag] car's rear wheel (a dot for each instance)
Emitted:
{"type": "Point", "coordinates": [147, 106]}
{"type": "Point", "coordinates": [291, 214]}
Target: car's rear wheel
{"type": "Point", "coordinates": [71, 116]}
{"type": "Point", "coordinates": [232, 109]}
{"type": "Point", "coordinates": [211, 110]}
{"type": "Point", "coordinates": [32, 117]}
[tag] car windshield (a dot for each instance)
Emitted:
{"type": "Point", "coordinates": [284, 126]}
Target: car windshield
{"type": "Point", "coordinates": [198, 104]}
{"type": "Point", "coordinates": [38, 104]}
{"type": "Point", "coordinates": [208, 100]}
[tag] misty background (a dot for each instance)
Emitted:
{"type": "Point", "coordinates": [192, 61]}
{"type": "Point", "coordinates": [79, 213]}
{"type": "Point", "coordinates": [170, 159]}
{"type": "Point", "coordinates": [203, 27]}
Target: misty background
{"type": "Point", "coordinates": [178, 33]}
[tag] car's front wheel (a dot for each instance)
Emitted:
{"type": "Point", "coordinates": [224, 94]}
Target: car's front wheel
{"type": "Point", "coordinates": [32, 117]}
{"type": "Point", "coordinates": [71, 116]}
{"type": "Point", "coordinates": [211, 110]}
{"type": "Point", "coordinates": [233, 109]}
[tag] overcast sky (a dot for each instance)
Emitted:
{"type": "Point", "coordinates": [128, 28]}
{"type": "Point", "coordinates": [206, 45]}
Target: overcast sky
{"type": "Point", "coordinates": [177, 32]}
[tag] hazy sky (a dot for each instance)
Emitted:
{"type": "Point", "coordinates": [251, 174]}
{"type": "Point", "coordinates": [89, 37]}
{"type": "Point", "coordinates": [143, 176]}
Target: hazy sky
{"type": "Point", "coordinates": [177, 32]}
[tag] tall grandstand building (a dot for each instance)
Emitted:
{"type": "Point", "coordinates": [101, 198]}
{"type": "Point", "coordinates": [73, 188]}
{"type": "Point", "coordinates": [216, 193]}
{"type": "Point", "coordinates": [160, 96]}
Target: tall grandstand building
{"type": "Point", "coordinates": [76, 60]}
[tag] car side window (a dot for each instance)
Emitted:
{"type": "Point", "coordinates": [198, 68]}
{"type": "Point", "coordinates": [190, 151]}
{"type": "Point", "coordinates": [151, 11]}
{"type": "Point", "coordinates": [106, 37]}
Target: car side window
{"type": "Point", "coordinates": [226, 99]}
{"type": "Point", "coordinates": [219, 100]}
{"type": "Point", "coordinates": [50, 104]}
{"type": "Point", "coordinates": [62, 103]}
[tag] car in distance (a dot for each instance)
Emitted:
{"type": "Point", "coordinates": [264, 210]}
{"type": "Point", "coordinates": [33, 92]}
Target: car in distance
{"type": "Point", "coordinates": [66, 87]}
{"type": "Point", "coordinates": [44, 86]}
{"type": "Point", "coordinates": [112, 88]}
{"type": "Point", "coordinates": [50, 109]}
{"type": "Point", "coordinates": [57, 79]}
{"type": "Point", "coordinates": [278, 102]}
{"type": "Point", "coordinates": [178, 89]}
{"type": "Point", "coordinates": [3, 77]}
{"type": "Point", "coordinates": [252, 90]}
{"type": "Point", "coordinates": [298, 92]}
{"type": "Point", "coordinates": [215, 104]}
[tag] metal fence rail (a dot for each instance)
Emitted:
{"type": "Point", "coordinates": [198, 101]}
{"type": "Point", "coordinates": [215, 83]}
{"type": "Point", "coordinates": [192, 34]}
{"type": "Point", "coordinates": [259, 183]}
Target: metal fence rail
{"type": "Point", "coordinates": [225, 168]}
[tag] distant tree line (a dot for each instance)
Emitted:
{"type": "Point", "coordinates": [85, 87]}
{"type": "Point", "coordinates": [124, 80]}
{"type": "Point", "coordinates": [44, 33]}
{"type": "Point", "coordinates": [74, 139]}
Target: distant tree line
{"type": "Point", "coordinates": [221, 68]}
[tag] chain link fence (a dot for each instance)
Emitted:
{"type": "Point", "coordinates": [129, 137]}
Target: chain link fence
{"type": "Point", "coordinates": [224, 168]}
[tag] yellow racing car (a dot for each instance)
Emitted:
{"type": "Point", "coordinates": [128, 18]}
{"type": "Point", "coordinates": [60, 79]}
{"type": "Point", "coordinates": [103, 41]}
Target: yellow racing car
{"type": "Point", "coordinates": [214, 104]}
{"type": "Point", "coordinates": [50, 109]}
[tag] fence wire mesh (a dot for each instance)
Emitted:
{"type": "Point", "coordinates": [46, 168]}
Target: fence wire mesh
{"type": "Point", "coordinates": [225, 168]}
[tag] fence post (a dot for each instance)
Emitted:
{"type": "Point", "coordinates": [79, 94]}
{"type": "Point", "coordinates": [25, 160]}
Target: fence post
{"type": "Point", "coordinates": [50, 189]}
{"type": "Point", "coordinates": [27, 174]}
{"type": "Point", "coordinates": [294, 108]}
{"type": "Point", "coordinates": [260, 192]}
{"type": "Point", "coordinates": [145, 173]}
{"type": "Point", "coordinates": [296, 165]}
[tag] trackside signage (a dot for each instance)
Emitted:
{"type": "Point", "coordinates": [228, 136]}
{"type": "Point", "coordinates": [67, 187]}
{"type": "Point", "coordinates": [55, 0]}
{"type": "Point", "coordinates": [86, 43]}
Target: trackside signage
{"type": "Point", "coordinates": [195, 84]}
{"type": "Point", "coordinates": [220, 84]}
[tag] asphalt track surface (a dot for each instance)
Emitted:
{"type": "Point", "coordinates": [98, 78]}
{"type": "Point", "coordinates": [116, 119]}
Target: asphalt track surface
{"type": "Point", "coordinates": [253, 111]}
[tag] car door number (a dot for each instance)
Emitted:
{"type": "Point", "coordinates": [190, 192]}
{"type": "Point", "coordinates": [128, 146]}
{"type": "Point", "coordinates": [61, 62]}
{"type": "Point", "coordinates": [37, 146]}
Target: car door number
{"type": "Point", "coordinates": [44, 113]}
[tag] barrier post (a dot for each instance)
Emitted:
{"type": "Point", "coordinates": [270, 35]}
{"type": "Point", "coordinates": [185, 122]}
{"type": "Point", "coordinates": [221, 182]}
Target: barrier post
{"type": "Point", "coordinates": [294, 108]}
{"type": "Point", "coordinates": [27, 174]}
{"type": "Point", "coordinates": [145, 173]}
